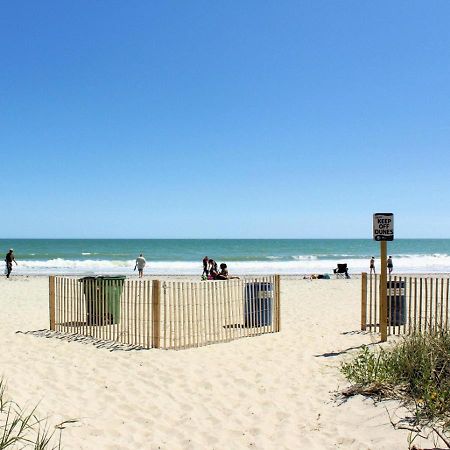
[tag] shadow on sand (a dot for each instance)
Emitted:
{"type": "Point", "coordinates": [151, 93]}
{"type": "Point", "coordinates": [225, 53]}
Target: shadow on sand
{"type": "Point", "coordinates": [73, 337]}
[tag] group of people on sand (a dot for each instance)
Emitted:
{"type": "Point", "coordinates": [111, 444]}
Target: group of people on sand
{"type": "Point", "coordinates": [390, 265]}
{"type": "Point", "coordinates": [210, 269]}
{"type": "Point", "coordinates": [211, 272]}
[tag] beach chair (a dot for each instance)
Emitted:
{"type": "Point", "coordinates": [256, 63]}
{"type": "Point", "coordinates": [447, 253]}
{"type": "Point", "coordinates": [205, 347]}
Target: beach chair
{"type": "Point", "coordinates": [341, 271]}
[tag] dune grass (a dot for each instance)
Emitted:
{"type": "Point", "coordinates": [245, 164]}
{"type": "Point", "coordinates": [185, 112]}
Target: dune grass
{"type": "Point", "coordinates": [415, 371]}
{"type": "Point", "coordinates": [24, 429]}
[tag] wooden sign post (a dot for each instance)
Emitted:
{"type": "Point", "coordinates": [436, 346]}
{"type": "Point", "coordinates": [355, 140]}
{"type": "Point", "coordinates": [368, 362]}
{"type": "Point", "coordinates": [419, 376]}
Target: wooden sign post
{"type": "Point", "coordinates": [383, 292]}
{"type": "Point", "coordinates": [383, 231]}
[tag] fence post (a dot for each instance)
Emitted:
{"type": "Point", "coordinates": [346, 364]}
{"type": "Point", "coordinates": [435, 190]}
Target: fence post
{"type": "Point", "coordinates": [383, 293]}
{"type": "Point", "coordinates": [364, 301]}
{"type": "Point", "coordinates": [277, 303]}
{"type": "Point", "coordinates": [51, 301]}
{"type": "Point", "coordinates": [156, 313]}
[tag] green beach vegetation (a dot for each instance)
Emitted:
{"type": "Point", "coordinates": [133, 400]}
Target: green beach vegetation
{"type": "Point", "coordinates": [415, 371]}
{"type": "Point", "coordinates": [24, 429]}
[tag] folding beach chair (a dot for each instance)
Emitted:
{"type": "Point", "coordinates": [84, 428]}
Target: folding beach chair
{"type": "Point", "coordinates": [341, 271]}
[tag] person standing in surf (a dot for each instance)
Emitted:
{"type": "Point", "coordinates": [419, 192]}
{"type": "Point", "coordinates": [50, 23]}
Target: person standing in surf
{"type": "Point", "coordinates": [140, 264]}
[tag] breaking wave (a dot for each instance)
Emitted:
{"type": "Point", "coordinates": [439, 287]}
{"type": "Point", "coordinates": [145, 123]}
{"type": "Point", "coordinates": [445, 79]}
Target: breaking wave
{"type": "Point", "coordinates": [434, 263]}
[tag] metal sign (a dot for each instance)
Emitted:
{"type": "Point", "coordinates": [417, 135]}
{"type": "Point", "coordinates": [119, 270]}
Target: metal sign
{"type": "Point", "coordinates": [383, 226]}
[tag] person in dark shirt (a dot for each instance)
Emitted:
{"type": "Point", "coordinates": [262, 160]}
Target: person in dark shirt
{"type": "Point", "coordinates": [9, 258]}
{"type": "Point", "coordinates": [389, 264]}
{"type": "Point", "coordinates": [372, 264]}
{"type": "Point", "coordinates": [205, 267]}
{"type": "Point", "coordinates": [223, 274]}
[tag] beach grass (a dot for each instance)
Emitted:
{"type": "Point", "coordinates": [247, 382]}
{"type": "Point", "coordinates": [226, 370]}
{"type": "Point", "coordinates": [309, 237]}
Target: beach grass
{"type": "Point", "coordinates": [24, 429]}
{"type": "Point", "coordinates": [415, 371]}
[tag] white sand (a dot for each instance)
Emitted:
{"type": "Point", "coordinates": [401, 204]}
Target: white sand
{"type": "Point", "coordinates": [268, 392]}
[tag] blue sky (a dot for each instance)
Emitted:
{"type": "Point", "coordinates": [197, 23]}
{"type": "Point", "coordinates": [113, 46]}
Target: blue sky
{"type": "Point", "coordinates": [147, 119]}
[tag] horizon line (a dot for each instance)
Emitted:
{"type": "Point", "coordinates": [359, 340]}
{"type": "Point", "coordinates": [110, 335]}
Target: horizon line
{"type": "Point", "coordinates": [216, 238]}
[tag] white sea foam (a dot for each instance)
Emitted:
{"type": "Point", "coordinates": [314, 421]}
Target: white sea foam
{"type": "Point", "coordinates": [437, 263]}
{"type": "Point", "coordinates": [304, 257]}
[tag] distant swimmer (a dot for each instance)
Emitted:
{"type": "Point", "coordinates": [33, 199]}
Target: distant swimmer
{"type": "Point", "coordinates": [389, 264]}
{"type": "Point", "coordinates": [9, 258]}
{"type": "Point", "coordinates": [140, 264]}
{"type": "Point", "coordinates": [372, 264]}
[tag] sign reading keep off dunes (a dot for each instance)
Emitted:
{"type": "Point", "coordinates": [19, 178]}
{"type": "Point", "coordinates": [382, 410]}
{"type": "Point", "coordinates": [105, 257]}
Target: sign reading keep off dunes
{"type": "Point", "coordinates": [383, 226]}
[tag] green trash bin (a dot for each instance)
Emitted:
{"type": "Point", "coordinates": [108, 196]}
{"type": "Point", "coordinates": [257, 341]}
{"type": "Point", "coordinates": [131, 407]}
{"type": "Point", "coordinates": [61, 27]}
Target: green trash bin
{"type": "Point", "coordinates": [102, 296]}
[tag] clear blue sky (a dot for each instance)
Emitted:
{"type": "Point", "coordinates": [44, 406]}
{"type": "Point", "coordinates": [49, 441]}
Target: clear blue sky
{"type": "Point", "coordinates": [147, 119]}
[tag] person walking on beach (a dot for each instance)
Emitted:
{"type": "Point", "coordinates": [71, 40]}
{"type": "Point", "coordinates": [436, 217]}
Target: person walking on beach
{"type": "Point", "coordinates": [389, 264]}
{"type": "Point", "coordinates": [9, 258]}
{"type": "Point", "coordinates": [372, 265]}
{"type": "Point", "coordinates": [205, 267]}
{"type": "Point", "coordinates": [140, 264]}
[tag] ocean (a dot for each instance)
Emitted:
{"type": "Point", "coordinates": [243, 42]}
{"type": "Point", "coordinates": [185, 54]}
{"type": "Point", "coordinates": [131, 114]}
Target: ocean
{"type": "Point", "coordinates": [243, 256]}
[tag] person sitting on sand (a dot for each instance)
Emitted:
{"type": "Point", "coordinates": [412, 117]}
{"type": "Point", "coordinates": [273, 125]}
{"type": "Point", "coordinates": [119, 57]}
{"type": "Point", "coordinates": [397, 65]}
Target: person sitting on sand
{"type": "Point", "coordinates": [223, 274]}
{"type": "Point", "coordinates": [213, 272]}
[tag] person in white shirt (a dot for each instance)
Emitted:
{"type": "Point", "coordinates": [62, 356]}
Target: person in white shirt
{"type": "Point", "coordinates": [140, 264]}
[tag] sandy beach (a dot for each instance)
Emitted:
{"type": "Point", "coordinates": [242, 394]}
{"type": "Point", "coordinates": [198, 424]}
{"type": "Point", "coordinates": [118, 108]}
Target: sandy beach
{"type": "Point", "coordinates": [274, 391]}
{"type": "Point", "coordinates": [177, 176]}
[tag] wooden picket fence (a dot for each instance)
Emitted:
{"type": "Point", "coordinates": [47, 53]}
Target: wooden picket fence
{"type": "Point", "coordinates": [165, 314]}
{"type": "Point", "coordinates": [414, 304]}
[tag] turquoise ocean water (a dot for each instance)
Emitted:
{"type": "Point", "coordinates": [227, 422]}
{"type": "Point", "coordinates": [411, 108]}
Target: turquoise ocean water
{"type": "Point", "coordinates": [243, 256]}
